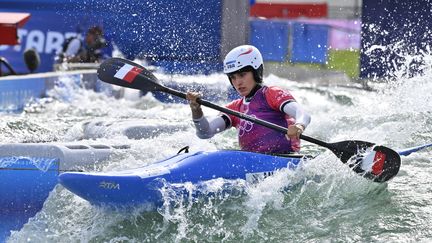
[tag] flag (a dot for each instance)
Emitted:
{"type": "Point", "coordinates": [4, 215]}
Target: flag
{"type": "Point", "coordinates": [128, 73]}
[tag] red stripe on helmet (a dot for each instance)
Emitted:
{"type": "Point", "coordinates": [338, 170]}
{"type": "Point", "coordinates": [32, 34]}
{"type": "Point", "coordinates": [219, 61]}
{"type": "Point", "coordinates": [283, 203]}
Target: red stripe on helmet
{"type": "Point", "coordinates": [246, 52]}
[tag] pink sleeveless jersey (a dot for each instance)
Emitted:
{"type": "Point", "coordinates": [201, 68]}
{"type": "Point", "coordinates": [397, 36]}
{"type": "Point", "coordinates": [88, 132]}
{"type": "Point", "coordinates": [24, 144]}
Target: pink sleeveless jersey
{"type": "Point", "coordinates": [264, 105]}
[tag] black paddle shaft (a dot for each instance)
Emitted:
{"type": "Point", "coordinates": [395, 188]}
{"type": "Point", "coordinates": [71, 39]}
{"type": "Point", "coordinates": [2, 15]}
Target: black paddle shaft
{"type": "Point", "coordinates": [242, 116]}
{"type": "Point", "coordinates": [252, 119]}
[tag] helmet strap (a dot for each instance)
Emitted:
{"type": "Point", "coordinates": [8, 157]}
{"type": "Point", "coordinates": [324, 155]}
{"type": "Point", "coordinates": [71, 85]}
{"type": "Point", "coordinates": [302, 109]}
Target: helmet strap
{"type": "Point", "coordinates": [253, 92]}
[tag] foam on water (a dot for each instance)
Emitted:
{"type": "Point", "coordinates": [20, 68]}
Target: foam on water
{"type": "Point", "coordinates": [321, 201]}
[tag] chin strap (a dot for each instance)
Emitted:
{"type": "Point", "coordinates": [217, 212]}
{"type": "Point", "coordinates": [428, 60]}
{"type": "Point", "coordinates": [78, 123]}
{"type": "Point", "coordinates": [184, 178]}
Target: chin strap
{"type": "Point", "coordinates": [253, 92]}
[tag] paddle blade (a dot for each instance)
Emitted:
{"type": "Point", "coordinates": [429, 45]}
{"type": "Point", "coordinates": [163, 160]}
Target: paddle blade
{"type": "Point", "coordinates": [377, 163]}
{"type": "Point", "coordinates": [127, 74]}
{"type": "Point", "coordinates": [345, 150]}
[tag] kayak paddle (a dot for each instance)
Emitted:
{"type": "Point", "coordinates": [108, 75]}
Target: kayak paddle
{"type": "Point", "coordinates": [377, 163]}
{"type": "Point", "coordinates": [409, 151]}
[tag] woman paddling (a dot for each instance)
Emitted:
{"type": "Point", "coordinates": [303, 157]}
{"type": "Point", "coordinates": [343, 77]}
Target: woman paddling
{"type": "Point", "coordinates": [244, 67]}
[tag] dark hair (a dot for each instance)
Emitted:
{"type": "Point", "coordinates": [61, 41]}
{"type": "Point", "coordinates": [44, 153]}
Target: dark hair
{"type": "Point", "coordinates": [257, 73]}
{"type": "Point", "coordinates": [95, 30]}
{"type": "Point", "coordinates": [99, 41]}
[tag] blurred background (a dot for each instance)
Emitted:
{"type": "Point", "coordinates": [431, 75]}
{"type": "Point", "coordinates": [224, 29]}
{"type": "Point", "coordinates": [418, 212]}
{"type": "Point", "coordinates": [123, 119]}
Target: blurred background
{"type": "Point", "coordinates": [193, 36]}
{"type": "Point", "coordinates": [330, 42]}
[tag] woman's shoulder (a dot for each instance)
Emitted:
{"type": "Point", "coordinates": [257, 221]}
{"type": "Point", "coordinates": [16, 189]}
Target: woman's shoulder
{"type": "Point", "coordinates": [234, 103]}
{"type": "Point", "coordinates": [272, 88]}
{"type": "Point", "coordinates": [275, 96]}
{"type": "Point", "coordinates": [272, 91]}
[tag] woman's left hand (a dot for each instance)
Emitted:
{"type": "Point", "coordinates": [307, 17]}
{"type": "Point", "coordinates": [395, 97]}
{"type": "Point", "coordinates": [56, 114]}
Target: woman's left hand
{"type": "Point", "coordinates": [294, 131]}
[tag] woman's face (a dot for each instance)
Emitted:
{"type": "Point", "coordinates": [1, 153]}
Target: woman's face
{"type": "Point", "coordinates": [243, 82]}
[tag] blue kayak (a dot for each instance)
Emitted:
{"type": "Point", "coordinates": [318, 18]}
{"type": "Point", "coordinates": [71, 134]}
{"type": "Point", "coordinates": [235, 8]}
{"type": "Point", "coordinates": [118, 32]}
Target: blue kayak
{"type": "Point", "coordinates": [142, 186]}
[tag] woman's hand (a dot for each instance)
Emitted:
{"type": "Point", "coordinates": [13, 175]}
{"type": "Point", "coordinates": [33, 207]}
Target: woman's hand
{"type": "Point", "coordinates": [192, 99]}
{"type": "Point", "coordinates": [194, 105]}
{"type": "Point", "coordinates": [294, 131]}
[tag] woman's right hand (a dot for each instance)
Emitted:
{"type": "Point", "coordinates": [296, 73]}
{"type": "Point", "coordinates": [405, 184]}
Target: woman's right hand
{"type": "Point", "coordinates": [194, 105]}
{"type": "Point", "coordinates": [192, 98]}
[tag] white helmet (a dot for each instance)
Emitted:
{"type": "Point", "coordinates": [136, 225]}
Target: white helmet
{"type": "Point", "coordinates": [244, 56]}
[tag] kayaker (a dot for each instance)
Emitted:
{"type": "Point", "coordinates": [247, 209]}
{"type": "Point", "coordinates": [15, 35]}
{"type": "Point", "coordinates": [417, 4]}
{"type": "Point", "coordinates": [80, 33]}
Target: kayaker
{"type": "Point", "coordinates": [244, 68]}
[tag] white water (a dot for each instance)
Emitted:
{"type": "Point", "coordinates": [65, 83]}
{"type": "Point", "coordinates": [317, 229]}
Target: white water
{"type": "Point", "coordinates": [326, 201]}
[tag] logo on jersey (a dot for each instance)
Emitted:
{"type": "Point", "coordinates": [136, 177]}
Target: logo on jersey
{"type": "Point", "coordinates": [244, 125]}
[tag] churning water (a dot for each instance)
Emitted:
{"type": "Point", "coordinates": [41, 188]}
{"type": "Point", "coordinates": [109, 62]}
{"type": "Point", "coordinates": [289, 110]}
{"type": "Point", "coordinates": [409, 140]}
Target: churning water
{"type": "Point", "coordinates": [325, 201]}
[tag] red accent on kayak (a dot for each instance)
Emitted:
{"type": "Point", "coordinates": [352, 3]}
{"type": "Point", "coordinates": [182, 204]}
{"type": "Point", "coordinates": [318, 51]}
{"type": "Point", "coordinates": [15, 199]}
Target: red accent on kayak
{"type": "Point", "coordinates": [246, 52]}
{"type": "Point", "coordinates": [378, 165]}
{"type": "Point", "coordinates": [130, 76]}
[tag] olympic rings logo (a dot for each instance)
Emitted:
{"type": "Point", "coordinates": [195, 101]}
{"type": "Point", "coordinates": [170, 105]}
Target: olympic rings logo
{"type": "Point", "coordinates": [245, 126]}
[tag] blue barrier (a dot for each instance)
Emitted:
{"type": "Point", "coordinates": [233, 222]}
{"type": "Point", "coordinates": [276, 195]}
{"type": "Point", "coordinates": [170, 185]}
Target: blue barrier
{"type": "Point", "coordinates": [310, 43]}
{"type": "Point", "coordinates": [271, 38]}
{"type": "Point", "coordinates": [15, 93]}
{"type": "Point", "coordinates": [180, 36]}
{"type": "Point", "coordinates": [45, 32]}
{"type": "Point", "coordinates": [162, 30]}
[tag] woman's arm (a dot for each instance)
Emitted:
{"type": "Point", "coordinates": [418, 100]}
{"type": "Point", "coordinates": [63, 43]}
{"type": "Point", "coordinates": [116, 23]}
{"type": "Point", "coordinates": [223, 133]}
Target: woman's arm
{"type": "Point", "coordinates": [302, 119]}
{"type": "Point", "coordinates": [293, 109]}
{"type": "Point", "coordinates": [205, 128]}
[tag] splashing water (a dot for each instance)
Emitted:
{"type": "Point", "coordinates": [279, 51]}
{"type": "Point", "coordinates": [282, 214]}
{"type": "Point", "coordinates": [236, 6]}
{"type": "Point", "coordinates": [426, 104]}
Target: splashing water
{"type": "Point", "coordinates": [321, 201]}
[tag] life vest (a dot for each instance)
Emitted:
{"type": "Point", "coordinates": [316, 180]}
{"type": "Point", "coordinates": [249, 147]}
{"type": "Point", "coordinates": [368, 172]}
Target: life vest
{"type": "Point", "coordinates": [264, 105]}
